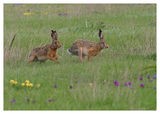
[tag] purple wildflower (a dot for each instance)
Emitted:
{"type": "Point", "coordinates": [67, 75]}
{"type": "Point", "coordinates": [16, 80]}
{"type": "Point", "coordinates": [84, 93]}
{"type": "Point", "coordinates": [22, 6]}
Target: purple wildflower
{"type": "Point", "coordinates": [116, 83]}
{"type": "Point", "coordinates": [140, 78]}
{"type": "Point", "coordinates": [33, 101]}
{"type": "Point", "coordinates": [71, 87]}
{"type": "Point", "coordinates": [142, 85]}
{"type": "Point", "coordinates": [49, 100]}
{"type": "Point", "coordinates": [27, 99]}
{"type": "Point", "coordinates": [13, 101]}
{"type": "Point", "coordinates": [125, 84]}
{"type": "Point", "coordinates": [130, 86]}
{"type": "Point", "coordinates": [129, 83]}
{"type": "Point", "coordinates": [148, 77]}
{"type": "Point", "coordinates": [28, 10]}
{"type": "Point", "coordinates": [55, 86]}
{"type": "Point", "coordinates": [154, 88]}
{"type": "Point", "coordinates": [53, 99]}
{"type": "Point", "coordinates": [154, 76]}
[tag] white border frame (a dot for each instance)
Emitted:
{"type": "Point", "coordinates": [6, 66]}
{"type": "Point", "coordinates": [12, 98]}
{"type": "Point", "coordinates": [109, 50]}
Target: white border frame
{"type": "Point", "coordinates": [2, 2]}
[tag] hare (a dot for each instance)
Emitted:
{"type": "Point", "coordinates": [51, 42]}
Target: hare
{"type": "Point", "coordinates": [48, 51]}
{"type": "Point", "coordinates": [84, 48]}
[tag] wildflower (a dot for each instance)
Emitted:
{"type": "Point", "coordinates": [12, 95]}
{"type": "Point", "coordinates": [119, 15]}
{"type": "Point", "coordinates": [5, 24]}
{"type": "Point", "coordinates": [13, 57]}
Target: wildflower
{"type": "Point", "coordinates": [30, 85]}
{"type": "Point", "coordinates": [11, 81]}
{"type": "Point", "coordinates": [27, 99]}
{"type": "Point", "coordinates": [13, 101]}
{"type": "Point", "coordinates": [27, 84]}
{"type": "Point", "coordinates": [71, 87]}
{"type": "Point", "coordinates": [55, 86]}
{"type": "Point", "coordinates": [140, 78]}
{"type": "Point", "coordinates": [38, 85]}
{"type": "Point", "coordinates": [27, 81]}
{"type": "Point", "coordinates": [33, 101]}
{"type": "Point", "coordinates": [22, 84]}
{"type": "Point", "coordinates": [15, 83]}
{"type": "Point", "coordinates": [130, 86]}
{"type": "Point", "coordinates": [142, 85]}
{"type": "Point", "coordinates": [27, 13]}
{"type": "Point", "coordinates": [91, 84]}
{"type": "Point", "coordinates": [154, 88]}
{"type": "Point", "coordinates": [44, 13]}
{"type": "Point", "coordinates": [129, 83]}
{"type": "Point", "coordinates": [28, 10]}
{"type": "Point", "coordinates": [148, 77]}
{"type": "Point", "coordinates": [125, 84]}
{"type": "Point", "coordinates": [154, 76]}
{"type": "Point", "coordinates": [116, 83]}
{"type": "Point", "coordinates": [53, 99]}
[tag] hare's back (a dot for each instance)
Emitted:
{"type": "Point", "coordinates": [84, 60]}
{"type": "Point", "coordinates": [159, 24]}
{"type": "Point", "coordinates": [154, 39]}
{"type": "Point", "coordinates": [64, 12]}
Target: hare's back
{"type": "Point", "coordinates": [83, 43]}
{"type": "Point", "coordinates": [40, 51]}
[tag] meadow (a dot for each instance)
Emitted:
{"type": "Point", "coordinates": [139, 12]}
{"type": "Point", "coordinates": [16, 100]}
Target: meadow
{"type": "Point", "coordinates": [121, 77]}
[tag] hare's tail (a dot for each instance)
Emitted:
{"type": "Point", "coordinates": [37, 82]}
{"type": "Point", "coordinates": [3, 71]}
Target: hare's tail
{"type": "Point", "coordinates": [69, 52]}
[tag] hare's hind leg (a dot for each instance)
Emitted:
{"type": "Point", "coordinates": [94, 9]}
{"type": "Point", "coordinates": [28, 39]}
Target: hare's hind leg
{"type": "Point", "coordinates": [31, 58]}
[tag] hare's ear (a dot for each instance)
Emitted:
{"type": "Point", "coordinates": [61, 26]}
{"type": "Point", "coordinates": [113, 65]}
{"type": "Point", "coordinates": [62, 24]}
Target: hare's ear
{"type": "Point", "coordinates": [100, 34]}
{"type": "Point", "coordinates": [53, 31]}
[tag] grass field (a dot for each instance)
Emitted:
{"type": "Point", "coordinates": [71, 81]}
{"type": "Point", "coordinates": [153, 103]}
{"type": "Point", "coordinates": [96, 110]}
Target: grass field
{"type": "Point", "coordinates": [130, 32]}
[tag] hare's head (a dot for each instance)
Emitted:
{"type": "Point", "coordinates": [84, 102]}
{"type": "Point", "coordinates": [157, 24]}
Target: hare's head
{"type": "Point", "coordinates": [54, 35]}
{"type": "Point", "coordinates": [102, 42]}
{"type": "Point", "coordinates": [55, 43]}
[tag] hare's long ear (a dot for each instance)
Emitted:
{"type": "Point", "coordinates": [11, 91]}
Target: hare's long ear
{"type": "Point", "coordinates": [53, 34]}
{"type": "Point", "coordinates": [100, 34]}
{"type": "Point", "coordinates": [53, 31]}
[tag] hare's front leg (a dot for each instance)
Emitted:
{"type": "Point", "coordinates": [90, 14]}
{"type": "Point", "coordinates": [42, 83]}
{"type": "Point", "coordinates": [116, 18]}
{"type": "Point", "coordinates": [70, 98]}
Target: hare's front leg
{"type": "Point", "coordinates": [53, 59]}
{"type": "Point", "coordinates": [56, 57]}
{"type": "Point", "coordinates": [80, 54]}
{"type": "Point", "coordinates": [31, 58]}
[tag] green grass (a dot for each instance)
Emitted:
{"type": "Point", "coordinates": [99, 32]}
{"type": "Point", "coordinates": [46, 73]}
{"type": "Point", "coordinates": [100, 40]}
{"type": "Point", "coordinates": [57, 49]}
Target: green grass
{"type": "Point", "coordinates": [130, 32]}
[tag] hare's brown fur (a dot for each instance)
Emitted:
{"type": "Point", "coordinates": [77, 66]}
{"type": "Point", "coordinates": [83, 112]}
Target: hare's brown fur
{"type": "Point", "coordinates": [48, 51]}
{"type": "Point", "coordinates": [84, 48]}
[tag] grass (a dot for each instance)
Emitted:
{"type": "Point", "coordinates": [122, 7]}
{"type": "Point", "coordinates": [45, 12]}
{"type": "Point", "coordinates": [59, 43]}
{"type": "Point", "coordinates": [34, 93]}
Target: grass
{"type": "Point", "coordinates": [129, 30]}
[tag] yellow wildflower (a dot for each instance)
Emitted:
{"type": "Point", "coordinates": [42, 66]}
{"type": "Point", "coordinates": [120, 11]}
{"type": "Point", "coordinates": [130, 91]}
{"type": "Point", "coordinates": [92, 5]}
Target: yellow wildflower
{"type": "Point", "coordinates": [11, 81]}
{"type": "Point", "coordinates": [38, 85]}
{"type": "Point", "coordinates": [22, 84]}
{"type": "Point", "coordinates": [15, 83]}
{"type": "Point", "coordinates": [27, 81]}
{"type": "Point", "coordinates": [27, 84]}
{"type": "Point", "coordinates": [91, 84]}
{"type": "Point", "coordinates": [30, 85]}
{"type": "Point", "coordinates": [27, 13]}
{"type": "Point", "coordinates": [44, 13]}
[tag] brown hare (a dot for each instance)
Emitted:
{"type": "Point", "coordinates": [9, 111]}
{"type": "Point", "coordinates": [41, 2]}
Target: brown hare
{"type": "Point", "coordinates": [48, 51]}
{"type": "Point", "coordinates": [84, 48]}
